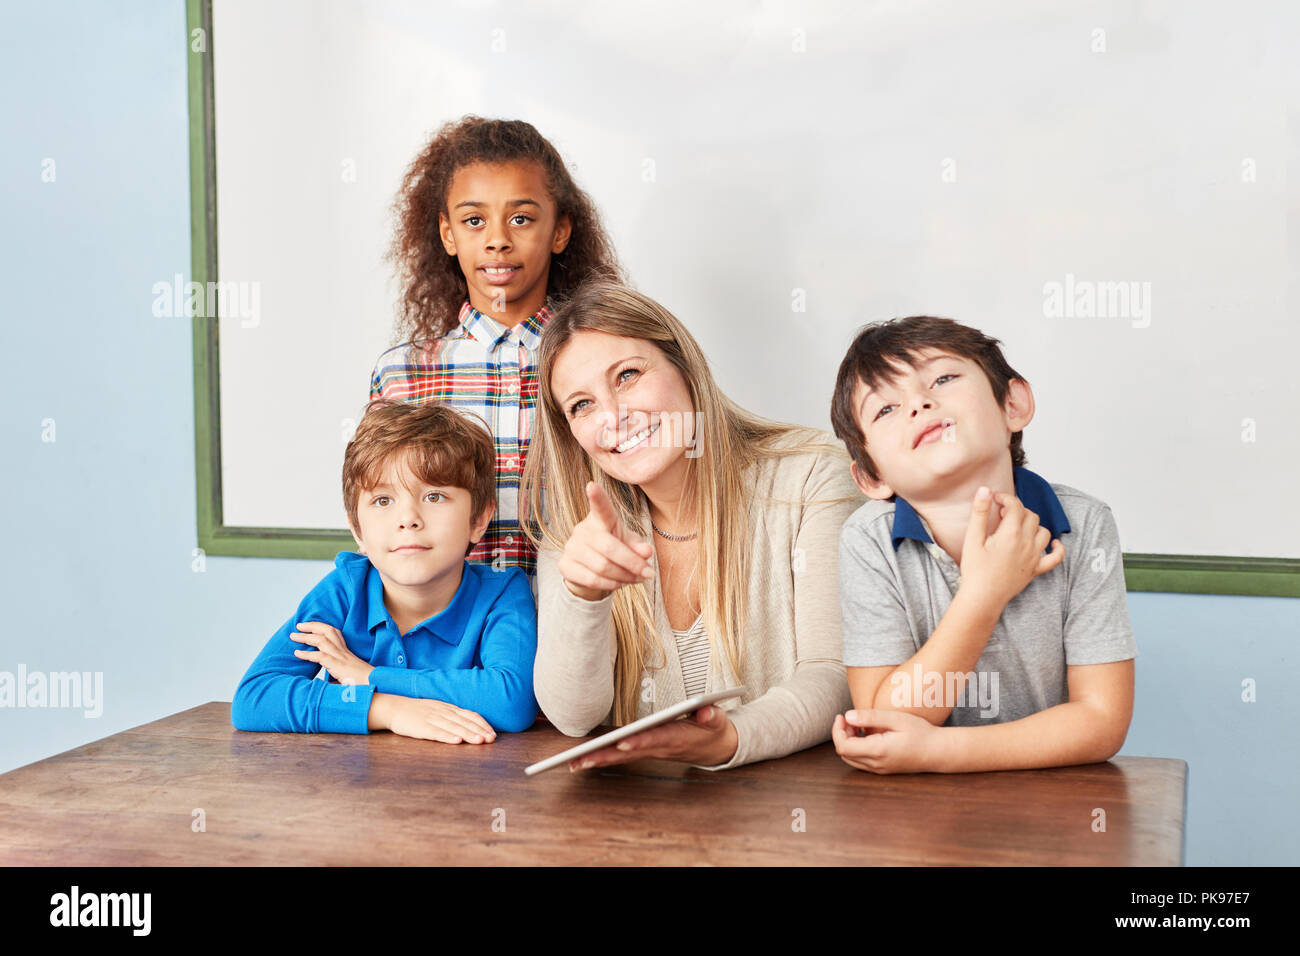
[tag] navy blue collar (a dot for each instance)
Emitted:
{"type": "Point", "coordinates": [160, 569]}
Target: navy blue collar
{"type": "Point", "coordinates": [1032, 490]}
{"type": "Point", "coordinates": [448, 624]}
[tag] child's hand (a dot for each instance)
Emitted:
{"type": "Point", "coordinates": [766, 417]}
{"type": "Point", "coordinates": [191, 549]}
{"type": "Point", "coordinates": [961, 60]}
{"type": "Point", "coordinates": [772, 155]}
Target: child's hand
{"type": "Point", "coordinates": [996, 567]}
{"type": "Point", "coordinates": [333, 654]}
{"type": "Point", "coordinates": [434, 720]}
{"type": "Point", "coordinates": [601, 555]}
{"type": "Point", "coordinates": [895, 741]}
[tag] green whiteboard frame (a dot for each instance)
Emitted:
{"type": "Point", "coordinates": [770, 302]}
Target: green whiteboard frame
{"type": "Point", "coordinates": [214, 535]}
{"type": "Point", "coordinates": [1177, 573]}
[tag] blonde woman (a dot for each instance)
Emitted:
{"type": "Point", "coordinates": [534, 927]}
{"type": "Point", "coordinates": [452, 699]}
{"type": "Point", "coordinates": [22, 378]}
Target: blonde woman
{"type": "Point", "coordinates": [684, 545]}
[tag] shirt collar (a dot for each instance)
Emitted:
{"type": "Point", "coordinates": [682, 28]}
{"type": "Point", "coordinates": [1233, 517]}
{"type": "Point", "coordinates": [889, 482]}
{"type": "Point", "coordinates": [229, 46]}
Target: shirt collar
{"type": "Point", "coordinates": [1032, 490]}
{"type": "Point", "coordinates": [490, 333]}
{"type": "Point", "coordinates": [448, 624]}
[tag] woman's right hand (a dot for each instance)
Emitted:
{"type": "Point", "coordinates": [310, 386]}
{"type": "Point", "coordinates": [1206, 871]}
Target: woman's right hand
{"type": "Point", "coordinates": [601, 555]}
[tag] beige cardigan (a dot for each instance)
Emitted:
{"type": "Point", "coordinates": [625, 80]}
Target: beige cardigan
{"type": "Point", "coordinates": [792, 665]}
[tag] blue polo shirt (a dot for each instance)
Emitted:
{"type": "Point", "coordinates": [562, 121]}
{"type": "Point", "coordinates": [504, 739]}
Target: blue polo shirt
{"type": "Point", "coordinates": [477, 653]}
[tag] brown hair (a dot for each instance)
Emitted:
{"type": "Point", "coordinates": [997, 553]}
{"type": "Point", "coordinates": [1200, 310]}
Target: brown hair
{"type": "Point", "coordinates": [433, 284]}
{"type": "Point", "coordinates": [441, 445]}
{"type": "Point", "coordinates": [881, 345]}
{"type": "Point", "coordinates": [727, 440]}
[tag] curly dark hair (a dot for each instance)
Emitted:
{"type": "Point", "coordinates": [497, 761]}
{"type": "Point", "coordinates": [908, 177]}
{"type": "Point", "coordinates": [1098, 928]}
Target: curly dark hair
{"type": "Point", "coordinates": [433, 285]}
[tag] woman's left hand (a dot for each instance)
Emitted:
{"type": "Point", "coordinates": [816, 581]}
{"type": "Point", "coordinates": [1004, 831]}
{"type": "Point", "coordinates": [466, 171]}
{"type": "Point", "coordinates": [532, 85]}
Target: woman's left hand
{"type": "Point", "coordinates": [706, 738]}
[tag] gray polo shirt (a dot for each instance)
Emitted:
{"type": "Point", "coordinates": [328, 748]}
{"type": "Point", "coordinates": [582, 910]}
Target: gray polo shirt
{"type": "Point", "coordinates": [896, 584]}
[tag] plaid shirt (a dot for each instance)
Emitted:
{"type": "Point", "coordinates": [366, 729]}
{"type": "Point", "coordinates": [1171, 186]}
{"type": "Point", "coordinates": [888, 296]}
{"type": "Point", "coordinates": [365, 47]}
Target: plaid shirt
{"type": "Point", "coordinates": [485, 368]}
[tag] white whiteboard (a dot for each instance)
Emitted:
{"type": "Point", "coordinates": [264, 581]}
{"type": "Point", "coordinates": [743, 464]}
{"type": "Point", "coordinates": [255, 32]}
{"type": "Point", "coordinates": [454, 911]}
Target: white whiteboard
{"type": "Point", "coordinates": [867, 160]}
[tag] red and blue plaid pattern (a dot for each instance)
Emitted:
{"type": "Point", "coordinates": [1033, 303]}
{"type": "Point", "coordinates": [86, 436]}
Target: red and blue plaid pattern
{"type": "Point", "coordinates": [485, 368]}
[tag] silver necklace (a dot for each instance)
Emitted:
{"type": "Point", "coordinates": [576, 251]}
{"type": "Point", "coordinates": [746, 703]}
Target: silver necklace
{"type": "Point", "coordinates": [672, 537]}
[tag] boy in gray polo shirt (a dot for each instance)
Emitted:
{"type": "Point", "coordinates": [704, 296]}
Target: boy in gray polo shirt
{"type": "Point", "coordinates": [970, 643]}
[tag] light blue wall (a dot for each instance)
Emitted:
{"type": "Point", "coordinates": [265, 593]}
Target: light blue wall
{"type": "Point", "coordinates": [97, 575]}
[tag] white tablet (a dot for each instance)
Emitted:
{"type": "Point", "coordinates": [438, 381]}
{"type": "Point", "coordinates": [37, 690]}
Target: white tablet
{"type": "Point", "coordinates": [645, 723]}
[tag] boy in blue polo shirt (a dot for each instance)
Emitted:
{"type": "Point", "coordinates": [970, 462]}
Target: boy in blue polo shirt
{"type": "Point", "coordinates": [970, 643]}
{"type": "Point", "coordinates": [412, 637]}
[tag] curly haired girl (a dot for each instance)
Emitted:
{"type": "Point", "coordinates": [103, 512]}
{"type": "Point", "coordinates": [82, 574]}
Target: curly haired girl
{"type": "Point", "coordinates": [492, 230]}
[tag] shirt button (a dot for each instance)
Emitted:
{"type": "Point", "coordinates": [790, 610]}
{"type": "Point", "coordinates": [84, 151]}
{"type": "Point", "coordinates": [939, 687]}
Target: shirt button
{"type": "Point", "coordinates": [510, 539]}
{"type": "Point", "coordinates": [401, 659]}
{"type": "Point", "coordinates": [512, 463]}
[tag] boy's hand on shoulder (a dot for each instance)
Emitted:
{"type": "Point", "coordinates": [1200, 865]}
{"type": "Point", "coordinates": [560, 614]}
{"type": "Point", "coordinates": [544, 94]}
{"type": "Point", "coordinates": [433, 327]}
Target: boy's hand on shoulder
{"type": "Point", "coordinates": [894, 742]}
{"type": "Point", "coordinates": [996, 567]}
{"type": "Point", "coordinates": [332, 653]}
{"type": "Point", "coordinates": [430, 720]}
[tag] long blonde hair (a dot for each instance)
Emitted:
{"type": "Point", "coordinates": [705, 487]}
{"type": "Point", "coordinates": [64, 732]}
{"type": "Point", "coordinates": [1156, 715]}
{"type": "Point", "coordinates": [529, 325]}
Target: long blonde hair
{"type": "Point", "coordinates": [731, 440]}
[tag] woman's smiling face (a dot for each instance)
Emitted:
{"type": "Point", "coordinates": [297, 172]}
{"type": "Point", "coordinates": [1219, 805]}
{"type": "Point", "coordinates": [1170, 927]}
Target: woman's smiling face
{"type": "Point", "coordinates": [625, 404]}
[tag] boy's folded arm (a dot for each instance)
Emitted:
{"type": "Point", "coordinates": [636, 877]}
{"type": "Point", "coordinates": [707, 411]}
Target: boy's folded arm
{"type": "Point", "coordinates": [954, 647]}
{"type": "Point", "coordinates": [501, 690]}
{"type": "Point", "coordinates": [1099, 651]}
{"type": "Point", "coordinates": [1088, 728]}
{"type": "Point", "coordinates": [865, 684]}
{"type": "Point", "coordinates": [501, 695]}
{"type": "Point", "coordinates": [278, 693]}
{"type": "Point", "coordinates": [295, 704]}
{"type": "Point", "coordinates": [876, 626]}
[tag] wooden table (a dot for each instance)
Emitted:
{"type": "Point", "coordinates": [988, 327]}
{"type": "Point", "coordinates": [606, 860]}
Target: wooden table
{"type": "Point", "coordinates": [130, 799]}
